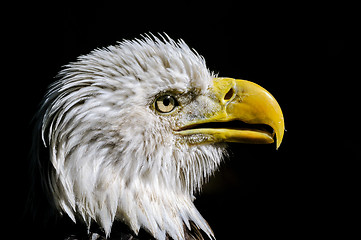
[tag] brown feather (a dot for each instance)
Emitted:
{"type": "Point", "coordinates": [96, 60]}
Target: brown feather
{"type": "Point", "coordinates": [122, 232]}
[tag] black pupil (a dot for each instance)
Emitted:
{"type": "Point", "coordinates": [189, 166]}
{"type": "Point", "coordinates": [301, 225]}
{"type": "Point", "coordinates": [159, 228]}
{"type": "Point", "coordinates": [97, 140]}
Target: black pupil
{"type": "Point", "coordinates": [166, 101]}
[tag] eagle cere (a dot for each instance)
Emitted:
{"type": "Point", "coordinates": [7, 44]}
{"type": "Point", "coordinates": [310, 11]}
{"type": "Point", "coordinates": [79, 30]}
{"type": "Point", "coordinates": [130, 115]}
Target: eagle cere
{"type": "Point", "coordinates": [134, 130]}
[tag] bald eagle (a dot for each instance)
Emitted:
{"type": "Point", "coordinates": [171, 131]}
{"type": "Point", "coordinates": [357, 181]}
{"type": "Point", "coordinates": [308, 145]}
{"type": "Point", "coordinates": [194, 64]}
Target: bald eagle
{"type": "Point", "coordinates": [132, 132]}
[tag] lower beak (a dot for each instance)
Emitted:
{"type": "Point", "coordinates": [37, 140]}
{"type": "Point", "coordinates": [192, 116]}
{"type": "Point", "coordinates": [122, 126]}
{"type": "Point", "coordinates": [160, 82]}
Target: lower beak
{"type": "Point", "coordinates": [246, 115]}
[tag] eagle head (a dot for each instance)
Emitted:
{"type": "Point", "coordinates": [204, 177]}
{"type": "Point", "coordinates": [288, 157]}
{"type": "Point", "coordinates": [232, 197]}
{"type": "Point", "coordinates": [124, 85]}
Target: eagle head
{"type": "Point", "coordinates": [134, 130]}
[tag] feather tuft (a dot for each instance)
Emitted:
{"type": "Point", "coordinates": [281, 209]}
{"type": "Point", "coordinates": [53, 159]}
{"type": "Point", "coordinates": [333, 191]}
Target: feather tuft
{"type": "Point", "coordinates": [111, 156]}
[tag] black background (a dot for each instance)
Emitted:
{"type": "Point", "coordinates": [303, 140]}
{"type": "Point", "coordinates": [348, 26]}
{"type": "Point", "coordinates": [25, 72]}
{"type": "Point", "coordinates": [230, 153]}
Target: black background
{"type": "Point", "coordinates": [303, 57]}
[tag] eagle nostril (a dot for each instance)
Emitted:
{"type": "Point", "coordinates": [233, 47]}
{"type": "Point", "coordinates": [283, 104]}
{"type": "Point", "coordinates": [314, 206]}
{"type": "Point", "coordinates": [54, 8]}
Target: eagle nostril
{"type": "Point", "coordinates": [229, 94]}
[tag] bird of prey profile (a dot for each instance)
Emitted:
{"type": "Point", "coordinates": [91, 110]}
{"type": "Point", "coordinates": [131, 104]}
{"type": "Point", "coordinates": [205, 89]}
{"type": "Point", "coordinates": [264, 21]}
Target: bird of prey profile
{"type": "Point", "coordinates": [132, 132]}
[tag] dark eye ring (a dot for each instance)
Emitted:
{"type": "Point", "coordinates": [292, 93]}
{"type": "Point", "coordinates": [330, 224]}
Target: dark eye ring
{"type": "Point", "coordinates": [165, 104]}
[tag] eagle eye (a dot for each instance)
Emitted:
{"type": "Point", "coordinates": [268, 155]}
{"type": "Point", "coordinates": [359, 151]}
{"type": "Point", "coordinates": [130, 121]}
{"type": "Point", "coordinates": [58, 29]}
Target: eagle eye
{"type": "Point", "coordinates": [165, 104]}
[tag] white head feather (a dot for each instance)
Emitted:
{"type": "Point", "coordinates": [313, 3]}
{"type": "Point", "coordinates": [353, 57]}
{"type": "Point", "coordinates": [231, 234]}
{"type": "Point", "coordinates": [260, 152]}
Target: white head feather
{"type": "Point", "coordinates": [113, 157]}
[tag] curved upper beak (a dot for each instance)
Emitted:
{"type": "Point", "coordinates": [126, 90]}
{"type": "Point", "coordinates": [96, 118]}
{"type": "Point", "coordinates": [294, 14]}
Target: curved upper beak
{"type": "Point", "coordinates": [247, 112]}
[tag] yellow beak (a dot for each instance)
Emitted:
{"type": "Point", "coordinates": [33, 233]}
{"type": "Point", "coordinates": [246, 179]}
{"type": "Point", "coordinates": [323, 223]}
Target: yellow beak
{"type": "Point", "coordinates": [246, 112]}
